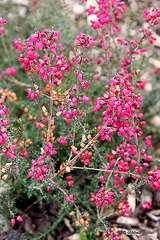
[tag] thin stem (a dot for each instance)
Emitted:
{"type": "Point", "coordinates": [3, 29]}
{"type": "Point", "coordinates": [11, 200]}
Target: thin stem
{"type": "Point", "coordinates": [39, 108]}
{"type": "Point", "coordinates": [38, 102]}
{"type": "Point", "coordinates": [73, 161]}
{"type": "Point", "coordinates": [109, 177]}
{"type": "Point", "coordinates": [4, 45]}
{"type": "Point", "coordinates": [63, 191]}
{"type": "Point", "coordinates": [50, 111]}
{"type": "Point", "coordinates": [72, 142]}
{"type": "Point", "coordinates": [136, 140]}
{"type": "Point", "coordinates": [99, 217]}
{"type": "Point", "coordinates": [106, 170]}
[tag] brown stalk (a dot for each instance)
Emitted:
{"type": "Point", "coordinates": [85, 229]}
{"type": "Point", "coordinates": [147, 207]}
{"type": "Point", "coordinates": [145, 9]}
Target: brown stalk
{"type": "Point", "coordinates": [72, 162]}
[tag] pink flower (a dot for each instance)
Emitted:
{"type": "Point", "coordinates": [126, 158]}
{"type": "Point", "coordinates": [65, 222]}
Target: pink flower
{"type": "Point", "coordinates": [60, 45]}
{"type": "Point", "coordinates": [75, 87]}
{"type": "Point", "coordinates": [136, 52]}
{"type": "Point", "coordinates": [39, 46]}
{"type": "Point", "coordinates": [85, 99]}
{"type": "Point", "coordinates": [70, 183]}
{"type": "Point", "coordinates": [62, 140]}
{"type": "Point", "coordinates": [68, 177]}
{"type": "Point", "coordinates": [13, 221]}
{"type": "Point", "coordinates": [133, 42]}
{"type": "Point", "coordinates": [69, 198]}
{"type": "Point", "coordinates": [10, 71]}
{"type": "Point", "coordinates": [142, 123]}
{"type": "Point", "coordinates": [143, 50]}
{"type": "Point", "coordinates": [87, 161]}
{"type": "Point", "coordinates": [3, 21]}
{"type": "Point", "coordinates": [48, 188]}
{"type": "Point", "coordinates": [85, 84]}
{"type": "Point", "coordinates": [128, 51]}
{"type": "Point", "coordinates": [102, 179]}
{"type": "Point", "coordinates": [85, 39]}
{"type": "Point", "coordinates": [1, 30]}
{"type": "Point", "coordinates": [80, 77]}
{"type": "Point", "coordinates": [29, 174]}
{"type": "Point", "coordinates": [146, 205]}
{"type": "Point", "coordinates": [19, 218]}
{"type": "Point", "coordinates": [37, 124]}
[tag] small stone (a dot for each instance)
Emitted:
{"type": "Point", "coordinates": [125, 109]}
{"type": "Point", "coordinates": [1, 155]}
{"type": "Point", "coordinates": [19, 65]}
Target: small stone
{"type": "Point", "coordinates": [49, 237]}
{"type": "Point", "coordinates": [144, 237]}
{"type": "Point", "coordinates": [123, 236]}
{"type": "Point", "coordinates": [28, 225]}
{"type": "Point", "coordinates": [129, 221]}
{"type": "Point", "coordinates": [78, 9]}
{"type": "Point", "coordinates": [42, 223]}
{"type": "Point", "coordinates": [156, 120]}
{"type": "Point", "coordinates": [6, 226]}
{"type": "Point", "coordinates": [157, 199]}
{"type": "Point", "coordinates": [146, 196]}
{"type": "Point", "coordinates": [53, 207]}
{"type": "Point", "coordinates": [74, 236]}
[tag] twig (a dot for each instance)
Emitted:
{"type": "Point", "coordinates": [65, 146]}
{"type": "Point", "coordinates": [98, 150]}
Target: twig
{"type": "Point", "coordinates": [72, 162]}
{"type": "Point", "coordinates": [14, 80]}
{"type": "Point", "coordinates": [58, 186]}
{"type": "Point", "coordinates": [50, 112]}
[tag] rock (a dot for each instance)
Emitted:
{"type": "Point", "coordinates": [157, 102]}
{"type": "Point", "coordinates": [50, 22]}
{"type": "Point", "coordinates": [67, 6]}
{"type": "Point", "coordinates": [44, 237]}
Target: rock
{"type": "Point", "coordinates": [42, 223]}
{"type": "Point", "coordinates": [11, 235]}
{"type": "Point", "coordinates": [68, 224]}
{"type": "Point", "coordinates": [152, 224]}
{"type": "Point", "coordinates": [144, 237]}
{"type": "Point", "coordinates": [129, 221]}
{"type": "Point", "coordinates": [74, 236]}
{"type": "Point", "coordinates": [123, 236]}
{"type": "Point", "coordinates": [6, 226]}
{"type": "Point", "coordinates": [154, 215]}
{"type": "Point", "coordinates": [146, 196]}
{"type": "Point", "coordinates": [156, 199]}
{"type": "Point", "coordinates": [25, 2]}
{"type": "Point", "coordinates": [29, 226]}
{"type": "Point", "coordinates": [156, 121]}
{"type": "Point", "coordinates": [49, 237]}
{"type": "Point", "coordinates": [131, 198]}
{"type": "Point", "coordinates": [53, 207]}
{"type": "Point", "coordinates": [78, 9]}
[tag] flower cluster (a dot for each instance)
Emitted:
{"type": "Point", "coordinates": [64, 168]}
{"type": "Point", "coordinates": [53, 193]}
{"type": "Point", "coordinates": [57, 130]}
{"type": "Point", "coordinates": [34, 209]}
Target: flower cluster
{"type": "Point", "coordinates": [13, 220]}
{"type": "Point", "coordinates": [8, 148]}
{"type": "Point", "coordinates": [146, 205]}
{"type": "Point", "coordinates": [33, 93]}
{"type": "Point", "coordinates": [111, 234]}
{"type": "Point", "coordinates": [152, 16]}
{"type": "Point", "coordinates": [123, 208]}
{"type": "Point", "coordinates": [2, 21]}
{"type": "Point", "coordinates": [154, 179]}
{"type": "Point", "coordinates": [31, 61]}
{"type": "Point", "coordinates": [104, 13]}
{"type": "Point", "coordinates": [69, 198]}
{"type": "Point", "coordinates": [38, 169]}
{"type": "Point", "coordinates": [102, 197]}
{"type": "Point", "coordinates": [10, 71]}
{"type": "Point", "coordinates": [86, 40]}
{"type": "Point", "coordinates": [18, 44]}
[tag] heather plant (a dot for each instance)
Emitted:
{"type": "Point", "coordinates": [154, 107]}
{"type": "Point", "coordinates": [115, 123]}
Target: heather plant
{"type": "Point", "coordinates": [74, 143]}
